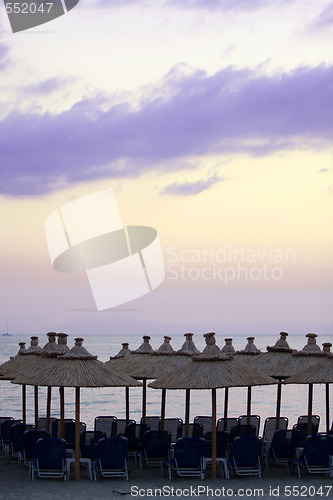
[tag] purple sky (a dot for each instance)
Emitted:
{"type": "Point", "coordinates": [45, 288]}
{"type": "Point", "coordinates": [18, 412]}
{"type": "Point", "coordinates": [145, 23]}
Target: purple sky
{"type": "Point", "coordinates": [206, 114]}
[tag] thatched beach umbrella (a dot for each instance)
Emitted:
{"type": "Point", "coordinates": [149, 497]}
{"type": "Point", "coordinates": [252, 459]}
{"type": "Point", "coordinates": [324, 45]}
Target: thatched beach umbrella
{"type": "Point", "coordinates": [15, 365]}
{"type": "Point", "coordinates": [270, 362]}
{"type": "Point", "coordinates": [124, 351]}
{"type": "Point", "coordinates": [189, 346]}
{"type": "Point", "coordinates": [210, 370]}
{"type": "Point", "coordinates": [310, 355]}
{"type": "Point", "coordinates": [126, 363]}
{"type": "Point", "coordinates": [11, 363]}
{"type": "Point", "coordinates": [45, 356]}
{"type": "Point", "coordinates": [163, 361]}
{"type": "Point", "coordinates": [322, 374]}
{"type": "Point", "coordinates": [77, 368]}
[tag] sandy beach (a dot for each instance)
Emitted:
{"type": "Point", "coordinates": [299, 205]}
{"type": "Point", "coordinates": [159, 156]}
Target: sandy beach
{"type": "Point", "coordinates": [148, 483]}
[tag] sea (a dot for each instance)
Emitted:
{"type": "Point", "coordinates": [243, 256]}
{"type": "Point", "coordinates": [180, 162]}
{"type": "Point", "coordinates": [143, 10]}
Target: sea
{"type": "Point", "coordinates": [111, 401]}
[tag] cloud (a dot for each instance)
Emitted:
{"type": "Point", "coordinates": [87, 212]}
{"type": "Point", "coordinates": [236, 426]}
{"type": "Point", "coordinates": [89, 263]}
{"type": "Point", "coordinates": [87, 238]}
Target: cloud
{"type": "Point", "coordinates": [211, 5]}
{"type": "Point", "coordinates": [192, 188]}
{"type": "Point", "coordinates": [232, 111]}
{"type": "Point", "coordinates": [325, 18]}
{"type": "Point", "coordinates": [3, 54]}
{"type": "Point", "coordinates": [45, 87]}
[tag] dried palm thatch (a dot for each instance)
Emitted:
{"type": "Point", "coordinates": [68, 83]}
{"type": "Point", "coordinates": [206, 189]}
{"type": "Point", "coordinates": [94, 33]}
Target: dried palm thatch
{"type": "Point", "coordinates": [189, 346]}
{"type": "Point", "coordinates": [310, 355]}
{"type": "Point", "coordinates": [228, 348]}
{"type": "Point", "coordinates": [13, 362]}
{"type": "Point", "coordinates": [10, 368]}
{"type": "Point", "coordinates": [269, 362]}
{"type": "Point", "coordinates": [245, 355]}
{"type": "Point", "coordinates": [162, 362]}
{"type": "Point", "coordinates": [76, 368]}
{"type": "Point", "coordinates": [123, 363]}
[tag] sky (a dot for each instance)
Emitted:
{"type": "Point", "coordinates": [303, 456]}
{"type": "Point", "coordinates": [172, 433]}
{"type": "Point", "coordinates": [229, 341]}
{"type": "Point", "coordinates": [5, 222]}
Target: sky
{"type": "Point", "coordinates": [212, 122]}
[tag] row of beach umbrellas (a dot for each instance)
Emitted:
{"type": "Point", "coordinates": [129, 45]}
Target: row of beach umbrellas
{"type": "Point", "coordinates": [214, 368]}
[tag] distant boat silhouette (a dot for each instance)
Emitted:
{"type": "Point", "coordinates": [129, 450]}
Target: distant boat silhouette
{"type": "Point", "coordinates": [7, 334]}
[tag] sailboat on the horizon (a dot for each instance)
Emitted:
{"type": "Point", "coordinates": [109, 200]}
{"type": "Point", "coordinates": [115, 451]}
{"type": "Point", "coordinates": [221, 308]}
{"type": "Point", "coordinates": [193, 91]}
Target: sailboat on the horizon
{"type": "Point", "coordinates": [6, 333]}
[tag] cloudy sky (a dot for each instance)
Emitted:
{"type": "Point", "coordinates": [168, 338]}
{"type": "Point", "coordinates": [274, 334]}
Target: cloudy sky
{"type": "Point", "coordinates": [212, 122]}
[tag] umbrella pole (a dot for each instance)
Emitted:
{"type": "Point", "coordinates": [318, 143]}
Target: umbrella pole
{"type": "Point", "coordinates": [249, 395]}
{"type": "Point", "coordinates": [62, 412]}
{"type": "Point", "coordinates": [77, 433]}
{"type": "Point", "coordinates": [48, 408]}
{"type": "Point", "coordinates": [144, 400]}
{"type": "Point", "coordinates": [226, 402]}
{"type": "Point", "coordinates": [214, 433]}
{"type": "Point", "coordinates": [187, 412]}
{"type": "Point", "coordinates": [127, 402]}
{"type": "Point", "coordinates": [36, 406]}
{"type": "Point", "coordinates": [163, 409]}
{"type": "Point", "coordinates": [24, 404]}
{"type": "Point", "coordinates": [278, 405]}
{"type": "Point", "coordinates": [310, 409]}
{"type": "Point", "coordinates": [327, 407]}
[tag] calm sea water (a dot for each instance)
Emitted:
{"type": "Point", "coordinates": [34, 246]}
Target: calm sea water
{"type": "Point", "coordinates": [111, 401]}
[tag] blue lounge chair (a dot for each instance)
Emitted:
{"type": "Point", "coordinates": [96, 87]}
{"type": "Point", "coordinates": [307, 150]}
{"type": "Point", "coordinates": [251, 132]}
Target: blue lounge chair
{"type": "Point", "coordinates": [29, 441]}
{"type": "Point", "coordinates": [50, 459]}
{"type": "Point", "coordinates": [316, 457]}
{"type": "Point", "coordinates": [16, 439]}
{"type": "Point", "coordinates": [283, 447]}
{"type": "Point", "coordinates": [246, 455]}
{"type": "Point", "coordinates": [104, 423]}
{"type": "Point", "coordinates": [111, 458]}
{"type": "Point", "coordinates": [187, 460]}
{"type": "Point", "coordinates": [156, 448]}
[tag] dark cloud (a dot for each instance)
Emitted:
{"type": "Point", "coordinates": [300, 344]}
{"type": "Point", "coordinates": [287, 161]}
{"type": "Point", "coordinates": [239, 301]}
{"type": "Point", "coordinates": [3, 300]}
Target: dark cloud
{"type": "Point", "coordinates": [192, 188]}
{"type": "Point", "coordinates": [233, 111]}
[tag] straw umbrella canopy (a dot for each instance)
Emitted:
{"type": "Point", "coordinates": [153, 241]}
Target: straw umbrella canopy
{"type": "Point", "coordinates": [163, 361]}
{"type": "Point", "coordinates": [48, 353]}
{"type": "Point", "coordinates": [210, 370]}
{"type": "Point", "coordinates": [310, 355]}
{"type": "Point", "coordinates": [125, 363]}
{"type": "Point", "coordinates": [322, 374]}
{"type": "Point", "coordinates": [247, 354]}
{"type": "Point", "coordinates": [10, 368]}
{"type": "Point", "coordinates": [270, 362]}
{"type": "Point", "coordinates": [77, 368]}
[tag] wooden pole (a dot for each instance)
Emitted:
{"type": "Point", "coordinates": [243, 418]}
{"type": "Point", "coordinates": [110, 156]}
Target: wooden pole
{"type": "Point", "coordinates": [249, 395]}
{"type": "Point", "coordinates": [187, 412]}
{"type": "Point", "coordinates": [127, 402]}
{"type": "Point", "coordinates": [77, 433]}
{"type": "Point", "coordinates": [226, 402]}
{"type": "Point", "coordinates": [36, 406]}
{"type": "Point", "coordinates": [213, 433]}
{"type": "Point", "coordinates": [278, 405]}
{"type": "Point", "coordinates": [310, 409]}
{"type": "Point", "coordinates": [144, 400]}
{"type": "Point", "coordinates": [48, 408]}
{"type": "Point", "coordinates": [62, 412]}
{"type": "Point", "coordinates": [24, 404]}
{"type": "Point", "coordinates": [327, 407]}
{"type": "Point", "coordinates": [163, 401]}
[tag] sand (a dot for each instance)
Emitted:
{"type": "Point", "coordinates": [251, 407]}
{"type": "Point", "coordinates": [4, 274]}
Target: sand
{"type": "Point", "coordinates": [148, 483]}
